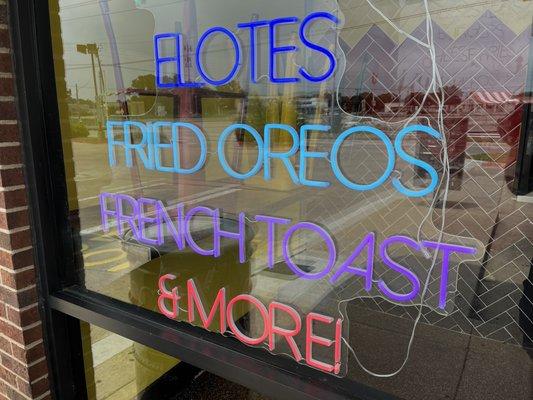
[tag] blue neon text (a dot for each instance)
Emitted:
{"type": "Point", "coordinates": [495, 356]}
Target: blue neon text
{"type": "Point", "coordinates": [169, 65]}
{"type": "Point", "coordinates": [150, 147]}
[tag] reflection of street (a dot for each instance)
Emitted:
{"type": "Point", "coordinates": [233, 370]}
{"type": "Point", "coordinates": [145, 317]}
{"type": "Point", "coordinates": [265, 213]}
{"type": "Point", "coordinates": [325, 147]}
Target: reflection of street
{"type": "Point", "coordinates": [347, 215]}
{"type": "Point", "coordinates": [105, 261]}
{"type": "Point", "coordinates": [483, 67]}
{"type": "Point", "coordinates": [119, 374]}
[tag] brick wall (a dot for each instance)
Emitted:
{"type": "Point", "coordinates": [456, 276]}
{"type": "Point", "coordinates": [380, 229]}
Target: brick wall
{"type": "Point", "coordinates": [23, 367]}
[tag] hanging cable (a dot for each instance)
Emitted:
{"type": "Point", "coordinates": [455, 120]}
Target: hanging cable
{"type": "Point", "coordinates": [436, 88]}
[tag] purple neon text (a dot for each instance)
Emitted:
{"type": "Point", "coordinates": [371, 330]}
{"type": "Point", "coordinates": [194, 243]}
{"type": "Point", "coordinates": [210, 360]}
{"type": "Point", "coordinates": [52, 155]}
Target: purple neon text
{"type": "Point", "coordinates": [128, 213]}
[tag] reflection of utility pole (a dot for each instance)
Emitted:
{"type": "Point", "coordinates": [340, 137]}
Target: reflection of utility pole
{"type": "Point", "coordinates": [78, 103]}
{"type": "Point", "coordinates": [115, 56]}
{"type": "Point", "coordinates": [92, 50]}
{"type": "Point", "coordinates": [119, 86]}
{"type": "Point", "coordinates": [361, 80]}
{"type": "Point", "coordinates": [103, 90]}
{"type": "Point", "coordinates": [239, 134]}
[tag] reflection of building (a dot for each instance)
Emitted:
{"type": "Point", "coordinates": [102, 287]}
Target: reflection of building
{"type": "Point", "coordinates": [135, 108]}
{"type": "Point", "coordinates": [178, 99]}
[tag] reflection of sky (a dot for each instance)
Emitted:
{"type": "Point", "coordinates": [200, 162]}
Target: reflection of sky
{"type": "Point", "coordinates": [135, 22]}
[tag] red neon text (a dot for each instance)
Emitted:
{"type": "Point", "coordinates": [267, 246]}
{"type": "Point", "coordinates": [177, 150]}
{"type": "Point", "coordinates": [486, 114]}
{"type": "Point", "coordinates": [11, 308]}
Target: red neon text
{"type": "Point", "coordinates": [269, 329]}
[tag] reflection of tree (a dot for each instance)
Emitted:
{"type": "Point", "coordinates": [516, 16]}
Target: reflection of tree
{"type": "Point", "coordinates": [452, 95]}
{"type": "Point", "coordinates": [256, 113]}
{"type": "Point", "coordinates": [386, 98]}
{"type": "Point", "coordinates": [144, 82]}
{"type": "Point", "coordinates": [78, 130]}
{"type": "Point", "coordinates": [358, 103]}
{"type": "Point", "coordinates": [79, 107]}
{"type": "Point", "coordinates": [230, 87]}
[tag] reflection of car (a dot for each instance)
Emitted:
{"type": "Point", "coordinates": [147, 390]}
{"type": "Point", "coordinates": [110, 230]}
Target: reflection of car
{"type": "Point", "coordinates": [456, 127]}
{"type": "Point", "coordinates": [429, 150]}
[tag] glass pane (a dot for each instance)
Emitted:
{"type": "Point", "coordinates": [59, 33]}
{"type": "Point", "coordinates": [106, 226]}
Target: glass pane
{"type": "Point", "coordinates": [329, 181]}
{"type": "Point", "coordinates": [117, 368]}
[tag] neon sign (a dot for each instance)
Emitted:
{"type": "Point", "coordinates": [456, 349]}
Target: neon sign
{"type": "Point", "coordinates": [149, 149]}
{"type": "Point", "coordinates": [175, 60]}
{"type": "Point", "coordinates": [179, 228]}
{"type": "Point", "coordinates": [270, 330]}
{"type": "Point", "coordinates": [136, 215]}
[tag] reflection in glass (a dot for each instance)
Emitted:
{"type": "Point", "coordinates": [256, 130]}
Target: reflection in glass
{"type": "Point", "coordinates": [105, 70]}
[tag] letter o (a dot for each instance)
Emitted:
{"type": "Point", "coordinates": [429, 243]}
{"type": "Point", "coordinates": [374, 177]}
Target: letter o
{"type": "Point", "coordinates": [419, 163]}
{"type": "Point", "coordinates": [236, 46]}
{"type": "Point", "coordinates": [222, 155]}
{"type": "Point", "coordinates": [329, 243]}
{"type": "Point", "coordinates": [335, 155]}
{"type": "Point", "coordinates": [236, 331]}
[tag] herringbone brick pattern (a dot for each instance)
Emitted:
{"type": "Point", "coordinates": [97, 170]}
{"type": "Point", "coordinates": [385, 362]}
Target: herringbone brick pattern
{"type": "Point", "coordinates": [484, 72]}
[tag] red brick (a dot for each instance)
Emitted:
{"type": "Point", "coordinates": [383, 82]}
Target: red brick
{"type": "Point", "coordinates": [35, 353]}
{"type": "Point", "coordinates": [9, 133]}
{"type": "Point", "coordinates": [40, 387]}
{"type": "Point", "coordinates": [11, 154]}
{"type": "Point", "coordinates": [11, 177]}
{"type": "Point", "coordinates": [16, 240]}
{"type": "Point", "coordinates": [14, 366]}
{"type": "Point", "coordinates": [18, 299]}
{"type": "Point", "coordinates": [7, 87]}
{"type": "Point", "coordinates": [12, 332]}
{"type": "Point", "coordinates": [5, 41]}
{"type": "Point", "coordinates": [38, 370]}
{"type": "Point", "coordinates": [24, 387]}
{"type": "Point", "coordinates": [17, 260]}
{"type": "Point", "coordinates": [28, 355]}
{"type": "Point", "coordinates": [18, 280]}
{"type": "Point", "coordinates": [6, 64]}
{"type": "Point", "coordinates": [18, 291]}
{"type": "Point", "coordinates": [21, 239]}
{"type": "Point", "coordinates": [8, 110]}
{"type": "Point", "coordinates": [13, 198]}
{"type": "Point", "coordinates": [23, 318]}
{"type": "Point", "coordinates": [22, 336]}
{"type": "Point", "coordinates": [26, 317]}
{"type": "Point", "coordinates": [14, 219]}
{"type": "Point", "coordinates": [33, 334]}
{"type": "Point", "coordinates": [5, 344]}
{"type": "Point", "coordinates": [10, 392]}
{"type": "Point", "coordinates": [8, 376]}
{"type": "Point", "coordinates": [9, 297]}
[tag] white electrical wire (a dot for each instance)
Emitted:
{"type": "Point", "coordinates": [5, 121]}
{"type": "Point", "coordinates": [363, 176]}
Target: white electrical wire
{"type": "Point", "coordinates": [435, 87]}
{"type": "Point", "coordinates": [405, 121]}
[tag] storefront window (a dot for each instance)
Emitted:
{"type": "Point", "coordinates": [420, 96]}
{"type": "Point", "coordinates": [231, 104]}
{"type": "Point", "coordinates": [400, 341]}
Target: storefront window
{"type": "Point", "coordinates": [117, 368]}
{"type": "Point", "coordinates": [332, 182]}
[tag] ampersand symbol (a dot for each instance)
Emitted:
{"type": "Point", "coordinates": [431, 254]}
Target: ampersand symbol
{"type": "Point", "coordinates": [172, 295]}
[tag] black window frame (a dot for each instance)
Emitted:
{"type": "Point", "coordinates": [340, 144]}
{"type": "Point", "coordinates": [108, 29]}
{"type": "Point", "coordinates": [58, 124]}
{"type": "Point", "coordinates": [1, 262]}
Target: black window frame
{"type": "Point", "coordinates": [63, 302]}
